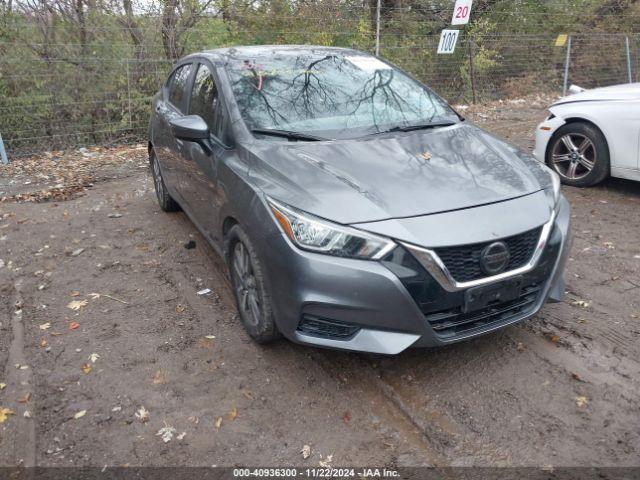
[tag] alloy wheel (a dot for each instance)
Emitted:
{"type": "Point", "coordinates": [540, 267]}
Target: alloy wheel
{"type": "Point", "coordinates": [245, 284]}
{"type": "Point", "coordinates": [573, 156]}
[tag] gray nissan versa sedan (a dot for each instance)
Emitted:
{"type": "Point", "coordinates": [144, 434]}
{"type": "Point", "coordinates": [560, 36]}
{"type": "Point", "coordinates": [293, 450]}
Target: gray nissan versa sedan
{"type": "Point", "coordinates": [354, 208]}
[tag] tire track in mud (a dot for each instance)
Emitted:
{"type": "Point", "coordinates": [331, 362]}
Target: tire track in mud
{"type": "Point", "coordinates": [20, 433]}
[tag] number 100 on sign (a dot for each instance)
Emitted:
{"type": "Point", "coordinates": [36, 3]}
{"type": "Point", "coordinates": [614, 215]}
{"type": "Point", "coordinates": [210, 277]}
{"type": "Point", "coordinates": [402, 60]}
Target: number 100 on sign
{"type": "Point", "coordinates": [448, 39]}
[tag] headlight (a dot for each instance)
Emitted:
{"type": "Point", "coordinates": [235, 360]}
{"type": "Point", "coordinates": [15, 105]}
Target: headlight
{"type": "Point", "coordinates": [312, 233]}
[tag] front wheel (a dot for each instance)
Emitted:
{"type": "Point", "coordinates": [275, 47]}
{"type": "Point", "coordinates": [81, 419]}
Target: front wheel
{"type": "Point", "coordinates": [579, 153]}
{"type": "Point", "coordinates": [247, 280]}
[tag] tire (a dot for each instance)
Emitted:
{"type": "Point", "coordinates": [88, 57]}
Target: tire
{"type": "Point", "coordinates": [579, 153]}
{"type": "Point", "coordinates": [247, 279]}
{"type": "Point", "coordinates": [166, 202]}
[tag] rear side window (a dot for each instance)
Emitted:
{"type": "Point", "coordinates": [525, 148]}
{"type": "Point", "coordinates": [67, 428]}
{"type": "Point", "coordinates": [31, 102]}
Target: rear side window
{"type": "Point", "coordinates": [204, 98]}
{"type": "Point", "coordinates": [178, 85]}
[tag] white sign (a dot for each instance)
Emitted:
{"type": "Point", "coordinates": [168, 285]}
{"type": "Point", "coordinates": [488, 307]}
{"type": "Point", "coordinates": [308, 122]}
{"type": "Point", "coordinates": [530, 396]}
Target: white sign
{"type": "Point", "coordinates": [461, 12]}
{"type": "Point", "coordinates": [368, 64]}
{"type": "Point", "coordinates": [448, 39]}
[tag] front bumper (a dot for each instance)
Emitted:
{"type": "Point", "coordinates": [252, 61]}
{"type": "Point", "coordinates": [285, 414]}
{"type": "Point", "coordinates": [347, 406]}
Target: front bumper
{"type": "Point", "coordinates": [544, 132]}
{"type": "Point", "coordinates": [375, 298]}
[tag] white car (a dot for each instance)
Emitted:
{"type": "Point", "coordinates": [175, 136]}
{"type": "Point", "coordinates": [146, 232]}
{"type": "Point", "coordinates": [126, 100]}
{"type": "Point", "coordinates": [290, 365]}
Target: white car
{"type": "Point", "coordinates": [593, 134]}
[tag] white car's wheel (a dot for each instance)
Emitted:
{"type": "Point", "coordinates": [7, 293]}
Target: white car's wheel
{"type": "Point", "coordinates": [578, 152]}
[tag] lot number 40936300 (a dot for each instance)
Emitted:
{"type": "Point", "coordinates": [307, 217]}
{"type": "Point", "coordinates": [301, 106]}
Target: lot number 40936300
{"type": "Point", "coordinates": [448, 39]}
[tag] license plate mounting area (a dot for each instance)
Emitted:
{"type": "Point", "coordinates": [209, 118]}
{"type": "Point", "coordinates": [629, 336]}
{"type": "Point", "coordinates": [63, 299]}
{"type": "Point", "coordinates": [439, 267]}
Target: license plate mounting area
{"type": "Point", "coordinates": [477, 298]}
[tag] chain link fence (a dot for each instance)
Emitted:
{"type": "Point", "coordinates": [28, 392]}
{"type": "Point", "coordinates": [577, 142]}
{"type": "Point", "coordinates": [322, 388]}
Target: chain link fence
{"type": "Point", "coordinates": [56, 94]}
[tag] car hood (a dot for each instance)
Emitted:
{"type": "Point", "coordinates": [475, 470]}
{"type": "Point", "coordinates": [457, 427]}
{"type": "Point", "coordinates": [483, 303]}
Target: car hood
{"type": "Point", "coordinates": [628, 91]}
{"type": "Point", "coordinates": [395, 176]}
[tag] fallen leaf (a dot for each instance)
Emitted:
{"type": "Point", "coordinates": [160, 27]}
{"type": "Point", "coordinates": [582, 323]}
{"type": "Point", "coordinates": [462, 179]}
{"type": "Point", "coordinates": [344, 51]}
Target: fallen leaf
{"type": "Point", "coordinates": [77, 304]}
{"type": "Point", "coordinates": [180, 308]}
{"type": "Point", "coordinates": [43, 342]}
{"type": "Point", "coordinates": [45, 326]}
{"type": "Point", "coordinates": [74, 325]}
{"type": "Point", "coordinates": [75, 293]}
{"type": "Point", "coordinates": [576, 376]}
{"type": "Point", "coordinates": [580, 303]}
{"type": "Point", "coordinates": [346, 418]}
{"type": "Point", "coordinates": [143, 415]}
{"type": "Point", "coordinates": [26, 414]}
{"type": "Point", "coordinates": [218, 422]}
{"type": "Point", "coordinates": [306, 451]}
{"type": "Point", "coordinates": [80, 414]}
{"type": "Point", "coordinates": [3, 386]}
{"type": "Point", "coordinates": [25, 398]}
{"type": "Point", "coordinates": [233, 414]}
{"type": "Point", "coordinates": [94, 357]}
{"type": "Point", "coordinates": [86, 368]}
{"type": "Point", "coordinates": [581, 401]}
{"type": "Point", "coordinates": [159, 378]}
{"type": "Point", "coordinates": [326, 463]}
{"type": "Point", "coordinates": [4, 414]}
{"type": "Point", "coordinates": [181, 436]}
{"type": "Point", "coordinates": [554, 339]}
{"type": "Point", "coordinates": [520, 347]}
{"type": "Point", "coordinates": [166, 433]}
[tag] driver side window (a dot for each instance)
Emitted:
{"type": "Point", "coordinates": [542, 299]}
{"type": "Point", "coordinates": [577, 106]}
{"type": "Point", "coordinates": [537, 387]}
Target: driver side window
{"type": "Point", "coordinates": [204, 98]}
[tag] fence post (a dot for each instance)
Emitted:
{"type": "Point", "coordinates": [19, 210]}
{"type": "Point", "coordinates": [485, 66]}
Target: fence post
{"type": "Point", "coordinates": [567, 60]}
{"type": "Point", "coordinates": [630, 76]}
{"type": "Point", "coordinates": [378, 28]}
{"type": "Point", "coordinates": [472, 70]}
{"type": "Point", "coordinates": [129, 94]}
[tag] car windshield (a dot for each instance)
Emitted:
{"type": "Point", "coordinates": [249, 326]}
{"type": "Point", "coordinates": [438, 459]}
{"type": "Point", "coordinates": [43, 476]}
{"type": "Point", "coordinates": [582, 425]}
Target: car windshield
{"type": "Point", "coordinates": [330, 95]}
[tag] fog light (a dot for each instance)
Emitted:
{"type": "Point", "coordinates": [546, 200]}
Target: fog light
{"type": "Point", "coordinates": [325, 328]}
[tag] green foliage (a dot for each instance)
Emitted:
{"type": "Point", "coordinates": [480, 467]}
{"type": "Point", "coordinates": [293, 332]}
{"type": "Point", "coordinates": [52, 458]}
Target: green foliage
{"type": "Point", "coordinates": [64, 81]}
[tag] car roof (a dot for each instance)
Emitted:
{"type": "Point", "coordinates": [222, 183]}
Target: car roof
{"type": "Point", "coordinates": [223, 55]}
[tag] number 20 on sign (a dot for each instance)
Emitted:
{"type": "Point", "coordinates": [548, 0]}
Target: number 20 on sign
{"type": "Point", "coordinates": [461, 12]}
{"type": "Point", "coordinates": [448, 39]}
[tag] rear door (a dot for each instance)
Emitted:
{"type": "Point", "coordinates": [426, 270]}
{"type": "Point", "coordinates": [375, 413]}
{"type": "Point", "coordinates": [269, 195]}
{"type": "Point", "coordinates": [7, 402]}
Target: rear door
{"type": "Point", "coordinates": [201, 168]}
{"type": "Point", "coordinates": [173, 104]}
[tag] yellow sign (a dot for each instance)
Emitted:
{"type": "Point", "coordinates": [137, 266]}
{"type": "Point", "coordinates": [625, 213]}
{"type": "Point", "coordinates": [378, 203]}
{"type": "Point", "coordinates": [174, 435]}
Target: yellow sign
{"type": "Point", "coordinates": [561, 41]}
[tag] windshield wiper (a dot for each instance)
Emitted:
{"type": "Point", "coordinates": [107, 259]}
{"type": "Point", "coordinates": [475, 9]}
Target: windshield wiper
{"type": "Point", "coordinates": [420, 126]}
{"type": "Point", "coordinates": [291, 135]}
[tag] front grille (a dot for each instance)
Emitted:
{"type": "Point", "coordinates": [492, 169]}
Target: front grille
{"type": "Point", "coordinates": [453, 322]}
{"type": "Point", "coordinates": [325, 328]}
{"type": "Point", "coordinates": [463, 262]}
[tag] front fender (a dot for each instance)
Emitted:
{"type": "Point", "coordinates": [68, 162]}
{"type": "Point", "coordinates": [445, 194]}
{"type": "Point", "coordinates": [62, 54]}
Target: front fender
{"type": "Point", "coordinates": [544, 132]}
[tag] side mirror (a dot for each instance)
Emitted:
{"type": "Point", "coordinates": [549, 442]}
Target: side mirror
{"type": "Point", "coordinates": [191, 128]}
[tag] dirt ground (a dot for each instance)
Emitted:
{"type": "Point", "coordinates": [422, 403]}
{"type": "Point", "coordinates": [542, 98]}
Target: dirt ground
{"type": "Point", "coordinates": [105, 344]}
